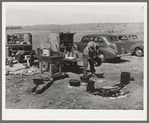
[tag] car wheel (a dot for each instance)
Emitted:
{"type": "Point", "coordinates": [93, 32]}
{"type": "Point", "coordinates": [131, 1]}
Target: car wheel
{"type": "Point", "coordinates": [138, 52]}
{"type": "Point", "coordinates": [102, 56]}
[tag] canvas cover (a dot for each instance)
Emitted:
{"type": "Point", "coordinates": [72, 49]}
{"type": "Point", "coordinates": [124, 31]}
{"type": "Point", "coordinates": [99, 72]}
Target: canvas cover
{"type": "Point", "coordinates": [54, 41]}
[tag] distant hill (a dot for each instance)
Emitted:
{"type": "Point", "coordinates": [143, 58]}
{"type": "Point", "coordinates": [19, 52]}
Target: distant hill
{"type": "Point", "coordinates": [13, 27]}
{"type": "Point", "coordinates": [89, 27]}
{"type": "Point", "coordinates": [40, 32]}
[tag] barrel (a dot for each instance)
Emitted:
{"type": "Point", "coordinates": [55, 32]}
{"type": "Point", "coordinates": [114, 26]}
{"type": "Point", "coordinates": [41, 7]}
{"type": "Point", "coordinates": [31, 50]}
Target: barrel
{"type": "Point", "coordinates": [125, 78]}
{"type": "Point", "coordinates": [46, 51]}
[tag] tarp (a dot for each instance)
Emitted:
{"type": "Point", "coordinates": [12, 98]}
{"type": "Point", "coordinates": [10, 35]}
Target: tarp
{"type": "Point", "coordinates": [51, 42]}
{"type": "Point", "coordinates": [54, 40]}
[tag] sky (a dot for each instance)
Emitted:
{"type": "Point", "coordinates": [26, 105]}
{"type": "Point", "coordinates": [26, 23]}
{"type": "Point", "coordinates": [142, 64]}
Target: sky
{"type": "Point", "coordinates": [26, 14]}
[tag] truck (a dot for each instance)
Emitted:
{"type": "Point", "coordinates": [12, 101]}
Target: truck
{"type": "Point", "coordinates": [19, 45]}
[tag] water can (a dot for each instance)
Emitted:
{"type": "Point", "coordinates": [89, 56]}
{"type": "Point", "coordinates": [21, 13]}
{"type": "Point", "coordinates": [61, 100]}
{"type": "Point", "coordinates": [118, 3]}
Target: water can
{"type": "Point", "coordinates": [125, 78]}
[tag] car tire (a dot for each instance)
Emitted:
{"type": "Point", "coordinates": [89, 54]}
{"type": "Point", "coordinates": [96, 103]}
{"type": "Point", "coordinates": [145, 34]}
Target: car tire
{"type": "Point", "coordinates": [138, 52]}
{"type": "Point", "coordinates": [101, 55]}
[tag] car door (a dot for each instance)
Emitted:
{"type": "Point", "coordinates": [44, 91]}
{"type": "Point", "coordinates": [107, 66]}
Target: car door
{"type": "Point", "coordinates": [133, 39]}
{"type": "Point", "coordinates": [100, 41]}
{"type": "Point", "coordinates": [126, 41]}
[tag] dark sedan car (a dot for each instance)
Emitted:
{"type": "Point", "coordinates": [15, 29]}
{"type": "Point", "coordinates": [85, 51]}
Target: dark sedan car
{"type": "Point", "coordinates": [133, 44]}
{"type": "Point", "coordinates": [109, 46]}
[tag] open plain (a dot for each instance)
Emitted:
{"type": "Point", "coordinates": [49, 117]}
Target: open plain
{"type": "Point", "coordinates": [60, 95]}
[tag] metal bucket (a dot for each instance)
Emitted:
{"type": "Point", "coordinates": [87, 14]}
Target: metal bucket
{"type": "Point", "coordinates": [46, 51]}
{"type": "Point", "coordinates": [125, 78]}
{"type": "Point", "coordinates": [84, 78]}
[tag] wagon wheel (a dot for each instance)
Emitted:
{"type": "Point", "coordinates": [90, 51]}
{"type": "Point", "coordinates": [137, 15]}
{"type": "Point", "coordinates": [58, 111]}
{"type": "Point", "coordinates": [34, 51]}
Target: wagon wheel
{"type": "Point", "coordinates": [45, 66]}
{"type": "Point", "coordinates": [138, 52]}
{"type": "Point", "coordinates": [101, 55]}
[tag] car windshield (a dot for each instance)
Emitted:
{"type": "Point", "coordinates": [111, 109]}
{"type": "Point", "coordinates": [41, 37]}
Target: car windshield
{"type": "Point", "coordinates": [123, 38]}
{"type": "Point", "coordinates": [133, 37]}
{"type": "Point", "coordinates": [113, 38]}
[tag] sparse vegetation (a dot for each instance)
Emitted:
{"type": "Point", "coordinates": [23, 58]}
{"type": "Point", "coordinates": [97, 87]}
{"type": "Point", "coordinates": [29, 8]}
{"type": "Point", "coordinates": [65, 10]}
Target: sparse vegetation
{"type": "Point", "coordinates": [60, 95]}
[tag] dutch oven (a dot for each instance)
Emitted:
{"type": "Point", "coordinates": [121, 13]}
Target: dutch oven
{"type": "Point", "coordinates": [74, 82]}
{"type": "Point", "coordinates": [38, 81]}
{"type": "Point", "coordinates": [84, 78]}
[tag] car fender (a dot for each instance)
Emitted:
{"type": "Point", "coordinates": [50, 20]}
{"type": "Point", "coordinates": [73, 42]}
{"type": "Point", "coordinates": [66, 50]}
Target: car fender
{"type": "Point", "coordinates": [109, 53]}
{"type": "Point", "coordinates": [140, 45]}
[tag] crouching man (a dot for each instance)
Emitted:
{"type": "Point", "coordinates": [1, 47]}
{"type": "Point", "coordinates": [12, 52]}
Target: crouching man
{"type": "Point", "coordinates": [89, 54]}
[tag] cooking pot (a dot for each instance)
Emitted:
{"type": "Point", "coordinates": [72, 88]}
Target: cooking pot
{"type": "Point", "coordinates": [84, 78]}
{"type": "Point", "coordinates": [74, 82]}
{"type": "Point", "coordinates": [97, 61]}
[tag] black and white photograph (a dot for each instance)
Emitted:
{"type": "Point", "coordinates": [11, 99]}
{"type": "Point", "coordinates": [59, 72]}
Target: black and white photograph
{"type": "Point", "coordinates": [74, 61]}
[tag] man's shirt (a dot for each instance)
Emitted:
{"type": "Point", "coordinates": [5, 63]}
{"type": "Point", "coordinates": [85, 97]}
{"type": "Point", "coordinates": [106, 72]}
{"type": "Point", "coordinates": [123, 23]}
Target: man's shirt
{"type": "Point", "coordinates": [88, 53]}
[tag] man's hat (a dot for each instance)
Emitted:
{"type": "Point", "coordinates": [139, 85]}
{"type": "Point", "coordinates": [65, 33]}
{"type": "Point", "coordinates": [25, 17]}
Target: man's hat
{"type": "Point", "coordinates": [92, 46]}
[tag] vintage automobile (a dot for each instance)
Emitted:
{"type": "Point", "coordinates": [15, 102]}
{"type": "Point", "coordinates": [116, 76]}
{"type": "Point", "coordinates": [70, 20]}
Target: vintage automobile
{"type": "Point", "coordinates": [134, 45]}
{"type": "Point", "coordinates": [109, 46]}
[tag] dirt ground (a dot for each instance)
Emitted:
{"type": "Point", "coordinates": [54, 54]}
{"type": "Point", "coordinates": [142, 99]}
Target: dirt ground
{"type": "Point", "coordinates": [60, 95]}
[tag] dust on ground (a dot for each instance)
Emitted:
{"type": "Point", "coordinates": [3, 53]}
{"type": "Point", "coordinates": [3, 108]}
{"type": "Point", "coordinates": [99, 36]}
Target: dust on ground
{"type": "Point", "coordinates": [60, 95]}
